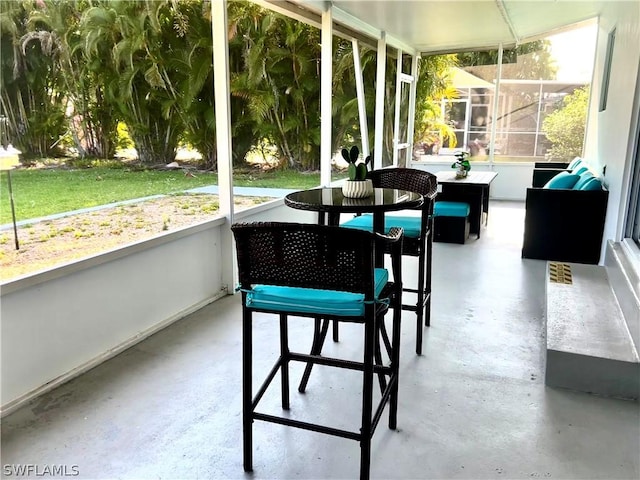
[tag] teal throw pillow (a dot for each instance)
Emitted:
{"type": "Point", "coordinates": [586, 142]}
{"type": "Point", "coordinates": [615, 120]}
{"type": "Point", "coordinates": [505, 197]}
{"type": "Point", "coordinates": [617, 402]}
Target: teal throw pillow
{"type": "Point", "coordinates": [584, 178]}
{"type": "Point", "coordinates": [592, 184]}
{"type": "Point", "coordinates": [575, 163]}
{"type": "Point", "coordinates": [563, 180]}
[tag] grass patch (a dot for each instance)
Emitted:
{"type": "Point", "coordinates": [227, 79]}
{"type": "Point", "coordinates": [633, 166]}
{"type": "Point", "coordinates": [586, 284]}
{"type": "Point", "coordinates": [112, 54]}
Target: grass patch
{"type": "Point", "coordinates": [40, 192]}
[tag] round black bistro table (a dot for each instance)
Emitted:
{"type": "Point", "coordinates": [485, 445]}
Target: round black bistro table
{"type": "Point", "coordinates": [330, 201]}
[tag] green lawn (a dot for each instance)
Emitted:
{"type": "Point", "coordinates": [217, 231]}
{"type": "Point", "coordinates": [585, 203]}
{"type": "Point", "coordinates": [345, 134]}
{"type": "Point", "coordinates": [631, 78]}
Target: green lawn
{"type": "Point", "coordinates": [41, 192]}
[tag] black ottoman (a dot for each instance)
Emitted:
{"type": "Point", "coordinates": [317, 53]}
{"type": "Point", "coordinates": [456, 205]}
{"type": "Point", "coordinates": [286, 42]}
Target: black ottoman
{"type": "Point", "coordinates": [451, 222]}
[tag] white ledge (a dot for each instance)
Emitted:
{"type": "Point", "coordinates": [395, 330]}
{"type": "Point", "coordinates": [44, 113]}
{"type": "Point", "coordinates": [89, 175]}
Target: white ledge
{"type": "Point", "coordinates": [31, 279]}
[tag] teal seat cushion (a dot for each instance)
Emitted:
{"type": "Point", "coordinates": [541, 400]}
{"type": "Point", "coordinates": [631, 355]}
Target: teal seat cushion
{"type": "Point", "coordinates": [592, 184]}
{"type": "Point", "coordinates": [311, 300]}
{"type": "Point", "coordinates": [562, 180]}
{"type": "Point", "coordinates": [451, 209]}
{"type": "Point", "coordinates": [574, 163]}
{"type": "Point", "coordinates": [584, 178]}
{"type": "Point", "coordinates": [410, 225]}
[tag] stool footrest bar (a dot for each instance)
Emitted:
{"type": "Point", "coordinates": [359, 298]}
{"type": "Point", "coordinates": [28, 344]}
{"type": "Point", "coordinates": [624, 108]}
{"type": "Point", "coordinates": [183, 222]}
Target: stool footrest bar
{"type": "Point", "coordinates": [307, 426]}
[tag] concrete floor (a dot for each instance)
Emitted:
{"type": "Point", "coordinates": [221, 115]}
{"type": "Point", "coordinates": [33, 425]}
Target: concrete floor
{"type": "Point", "coordinates": [473, 406]}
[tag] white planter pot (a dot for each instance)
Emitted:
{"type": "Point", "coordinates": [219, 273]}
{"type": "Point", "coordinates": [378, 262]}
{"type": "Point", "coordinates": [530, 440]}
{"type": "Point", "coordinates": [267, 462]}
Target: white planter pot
{"type": "Point", "coordinates": [461, 172]}
{"type": "Point", "coordinates": [357, 188]}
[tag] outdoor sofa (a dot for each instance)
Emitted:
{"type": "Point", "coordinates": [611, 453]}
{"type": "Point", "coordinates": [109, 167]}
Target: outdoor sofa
{"type": "Point", "coordinates": [564, 220]}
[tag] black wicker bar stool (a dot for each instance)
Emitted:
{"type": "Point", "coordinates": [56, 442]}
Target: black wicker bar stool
{"type": "Point", "coordinates": [418, 234]}
{"type": "Point", "coordinates": [325, 273]}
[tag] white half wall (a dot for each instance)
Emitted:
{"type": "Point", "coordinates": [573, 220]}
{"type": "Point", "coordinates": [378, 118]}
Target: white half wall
{"type": "Point", "coordinates": [275, 211]}
{"type": "Point", "coordinates": [510, 184]}
{"type": "Point", "coordinates": [61, 322]}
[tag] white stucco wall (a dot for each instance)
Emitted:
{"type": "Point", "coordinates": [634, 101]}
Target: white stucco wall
{"type": "Point", "coordinates": [610, 133]}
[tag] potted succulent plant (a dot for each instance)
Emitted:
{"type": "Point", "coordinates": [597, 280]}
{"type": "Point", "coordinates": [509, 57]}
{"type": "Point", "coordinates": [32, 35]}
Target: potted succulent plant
{"type": "Point", "coordinates": [358, 185]}
{"type": "Point", "coordinates": [462, 164]}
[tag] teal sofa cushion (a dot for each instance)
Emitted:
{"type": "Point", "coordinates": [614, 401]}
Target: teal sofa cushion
{"type": "Point", "coordinates": [592, 184]}
{"type": "Point", "coordinates": [311, 300]}
{"type": "Point", "coordinates": [579, 170]}
{"type": "Point", "coordinates": [563, 180]}
{"type": "Point", "coordinates": [584, 178]}
{"type": "Point", "coordinates": [410, 225]}
{"type": "Point", "coordinates": [451, 209]}
{"type": "Point", "coordinates": [574, 163]}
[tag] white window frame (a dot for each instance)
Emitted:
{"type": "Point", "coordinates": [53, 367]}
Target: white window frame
{"type": "Point", "coordinates": [404, 146]}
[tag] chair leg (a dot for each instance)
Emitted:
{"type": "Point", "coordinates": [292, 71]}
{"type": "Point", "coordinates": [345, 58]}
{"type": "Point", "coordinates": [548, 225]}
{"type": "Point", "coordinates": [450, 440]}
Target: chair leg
{"type": "Point", "coordinates": [247, 401]}
{"type": "Point", "coordinates": [319, 335]}
{"type": "Point", "coordinates": [421, 287]}
{"type": "Point", "coordinates": [395, 368]}
{"type": "Point", "coordinates": [284, 360]}
{"type": "Point", "coordinates": [427, 314]}
{"type": "Point", "coordinates": [381, 334]}
{"type": "Point", "coordinates": [370, 330]}
{"type": "Point", "coordinates": [421, 301]}
{"type": "Point", "coordinates": [419, 328]}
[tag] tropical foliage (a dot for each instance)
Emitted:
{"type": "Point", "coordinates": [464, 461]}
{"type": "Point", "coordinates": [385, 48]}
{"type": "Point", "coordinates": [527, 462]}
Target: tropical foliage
{"type": "Point", "coordinates": [345, 117]}
{"type": "Point", "coordinates": [527, 61]}
{"type": "Point", "coordinates": [141, 47]}
{"type": "Point", "coordinates": [92, 119]}
{"type": "Point", "coordinates": [434, 85]}
{"type": "Point", "coordinates": [31, 85]}
{"type": "Point", "coordinates": [281, 85]}
{"type": "Point", "coordinates": [565, 127]}
{"type": "Point", "coordinates": [81, 70]}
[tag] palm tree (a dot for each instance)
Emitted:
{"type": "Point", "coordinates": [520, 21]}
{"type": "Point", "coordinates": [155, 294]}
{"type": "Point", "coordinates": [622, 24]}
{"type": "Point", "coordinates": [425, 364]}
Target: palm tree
{"type": "Point", "coordinates": [135, 46]}
{"type": "Point", "coordinates": [281, 86]}
{"type": "Point", "coordinates": [197, 89]}
{"type": "Point", "coordinates": [93, 122]}
{"type": "Point", "coordinates": [31, 87]}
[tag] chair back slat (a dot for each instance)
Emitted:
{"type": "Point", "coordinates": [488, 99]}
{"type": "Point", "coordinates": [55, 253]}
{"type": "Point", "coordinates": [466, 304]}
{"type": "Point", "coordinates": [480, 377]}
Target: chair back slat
{"type": "Point", "coordinates": [306, 256]}
{"type": "Point", "coordinates": [410, 179]}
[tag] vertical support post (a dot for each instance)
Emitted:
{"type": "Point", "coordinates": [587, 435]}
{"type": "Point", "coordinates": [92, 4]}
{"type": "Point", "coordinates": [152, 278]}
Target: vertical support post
{"type": "Point", "coordinates": [538, 122]}
{"type": "Point", "coordinates": [412, 107]}
{"type": "Point", "coordinates": [396, 116]}
{"type": "Point", "coordinates": [326, 75]}
{"type": "Point", "coordinates": [222, 95]}
{"type": "Point", "coordinates": [467, 120]}
{"type": "Point", "coordinates": [494, 109]}
{"type": "Point", "coordinates": [381, 66]}
{"type": "Point", "coordinates": [362, 107]}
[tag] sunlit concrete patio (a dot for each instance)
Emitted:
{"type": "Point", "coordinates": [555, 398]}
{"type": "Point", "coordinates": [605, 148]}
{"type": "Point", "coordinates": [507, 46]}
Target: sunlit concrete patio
{"type": "Point", "coordinates": [473, 406]}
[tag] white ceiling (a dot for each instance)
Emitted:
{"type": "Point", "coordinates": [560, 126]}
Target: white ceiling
{"type": "Point", "coordinates": [445, 25]}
